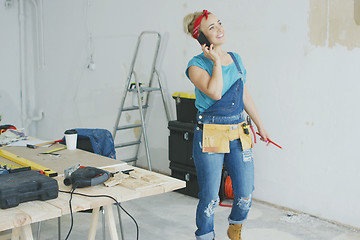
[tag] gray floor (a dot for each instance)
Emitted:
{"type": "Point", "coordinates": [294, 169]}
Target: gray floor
{"type": "Point", "coordinates": [172, 216]}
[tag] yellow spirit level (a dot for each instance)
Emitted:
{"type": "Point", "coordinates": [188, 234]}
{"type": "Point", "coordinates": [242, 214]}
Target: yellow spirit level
{"type": "Point", "coordinates": [27, 163]}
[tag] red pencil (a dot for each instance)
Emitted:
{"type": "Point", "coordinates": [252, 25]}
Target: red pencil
{"type": "Point", "coordinates": [270, 141]}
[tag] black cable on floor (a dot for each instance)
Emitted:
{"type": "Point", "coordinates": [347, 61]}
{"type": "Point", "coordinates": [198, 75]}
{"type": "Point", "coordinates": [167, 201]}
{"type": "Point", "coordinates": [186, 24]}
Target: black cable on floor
{"type": "Point", "coordinates": [71, 213]}
{"type": "Point", "coordinates": [108, 196]}
{"type": "Point", "coordinates": [137, 227]}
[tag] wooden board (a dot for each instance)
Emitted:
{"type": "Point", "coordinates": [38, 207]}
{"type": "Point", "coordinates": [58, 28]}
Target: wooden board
{"type": "Point", "coordinates": [150, 184]}
{"type": "Point", "coordinates": [66, 159]}
{"type": "Point", "coordinates": [161, 183]}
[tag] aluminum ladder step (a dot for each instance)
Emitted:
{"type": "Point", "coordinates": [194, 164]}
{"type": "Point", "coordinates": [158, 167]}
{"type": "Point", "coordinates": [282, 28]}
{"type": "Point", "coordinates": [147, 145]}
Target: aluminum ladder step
{"type": "Point", "coordinates": [134, 108]}
{"type": "Point", "coordinates": [145, 89]}
{"type": "Point", "coordinates": [129, 126]}
{"type": "Point", "coordinates": [126, 144]}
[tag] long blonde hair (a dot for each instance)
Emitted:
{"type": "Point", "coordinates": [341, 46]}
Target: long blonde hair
{"type": "Point", "coordinates": [189, 21]}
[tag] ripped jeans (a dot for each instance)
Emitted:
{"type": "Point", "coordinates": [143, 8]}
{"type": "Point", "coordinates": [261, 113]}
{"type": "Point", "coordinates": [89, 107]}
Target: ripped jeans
{"type": "Point", "coordinates": [209, 166]}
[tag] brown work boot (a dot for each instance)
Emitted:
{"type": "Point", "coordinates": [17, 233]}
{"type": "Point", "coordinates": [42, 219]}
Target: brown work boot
{"type": "Point", "coordinates": [234, 231]}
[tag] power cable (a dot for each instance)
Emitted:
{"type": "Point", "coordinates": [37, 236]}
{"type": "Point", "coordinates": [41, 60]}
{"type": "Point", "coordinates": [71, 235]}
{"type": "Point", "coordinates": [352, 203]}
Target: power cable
{"type": "Point", "coordinates": [108, 196]}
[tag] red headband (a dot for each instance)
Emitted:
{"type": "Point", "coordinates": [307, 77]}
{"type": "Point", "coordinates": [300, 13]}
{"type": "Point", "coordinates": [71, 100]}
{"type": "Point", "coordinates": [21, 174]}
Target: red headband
{"type": "Point", "coordinates": [197, 23]}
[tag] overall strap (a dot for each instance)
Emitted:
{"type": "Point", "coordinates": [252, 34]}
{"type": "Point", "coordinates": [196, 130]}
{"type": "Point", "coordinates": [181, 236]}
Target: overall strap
{"type": "Point", "coordinates": [236, 62]}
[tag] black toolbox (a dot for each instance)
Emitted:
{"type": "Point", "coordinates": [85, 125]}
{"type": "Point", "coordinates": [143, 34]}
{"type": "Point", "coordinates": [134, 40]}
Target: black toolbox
{"type": "Point", "coordinates": [180, 142]}
{"type": "Point", "coordinates": [187, 174]}
{"type": "Point", "coordinates": [185, 107]}
{"type": "Point", "coordinates": [181, 161]}
{"type": "Point", "coordinates": [180, 155]}
{"type": "Point", "coordinates": [16, 188]}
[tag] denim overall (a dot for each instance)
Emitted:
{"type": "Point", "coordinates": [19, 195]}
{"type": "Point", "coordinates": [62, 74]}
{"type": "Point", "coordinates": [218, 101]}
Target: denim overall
{"type": "Point", "coordinates": [239, 163]}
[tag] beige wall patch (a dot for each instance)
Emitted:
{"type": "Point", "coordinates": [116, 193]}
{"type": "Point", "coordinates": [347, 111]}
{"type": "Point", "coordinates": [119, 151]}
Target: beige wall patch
{"type": "Point", "coordinates": [318, 22]}
{"type": "Point", "coordinates": [333, 22]}
{"type": "Point", "coordinates": [357, 11]}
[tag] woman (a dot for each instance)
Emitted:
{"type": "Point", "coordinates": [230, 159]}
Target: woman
{"type": "Point", "coordinates": [221, 136]}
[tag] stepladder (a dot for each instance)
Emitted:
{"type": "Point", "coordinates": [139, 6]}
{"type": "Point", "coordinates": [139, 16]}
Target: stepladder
{"type": "Point", "coordinates": [136, 98]}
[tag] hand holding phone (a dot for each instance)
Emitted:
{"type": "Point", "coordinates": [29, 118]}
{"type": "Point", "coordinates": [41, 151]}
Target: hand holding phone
{"type": "Point", "coordinates": [203, 40]}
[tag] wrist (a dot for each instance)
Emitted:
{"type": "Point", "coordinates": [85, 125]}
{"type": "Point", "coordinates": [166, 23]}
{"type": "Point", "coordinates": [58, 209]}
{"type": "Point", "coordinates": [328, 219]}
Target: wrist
{"type": "Point", "coordinates": [217, 62]}
{"type": "Point", "coordinates": [260, 127]}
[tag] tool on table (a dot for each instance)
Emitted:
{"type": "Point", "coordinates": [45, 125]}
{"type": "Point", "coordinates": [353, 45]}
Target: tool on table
{"type": "Point", "coordinates": [27, 186]}
{"type": "Point", "coordinates": [85, 176]}
{"type": "Point", "coordinates": [27, 163]}
{"type": "Point", "coordinates": [54, 150]}
{"type": "Point", "coordinates": [43, 144]}
{"type": "Point", "coordinates": [270, 141]}
{"type": "Point", "coordinates": [12, 168]}
{"type": "Point", "coordinates": [126, 171]}
{"type": "Point", "coordinates": [3, 128]}
{"type": "Point", "coordinates": [70, 170]}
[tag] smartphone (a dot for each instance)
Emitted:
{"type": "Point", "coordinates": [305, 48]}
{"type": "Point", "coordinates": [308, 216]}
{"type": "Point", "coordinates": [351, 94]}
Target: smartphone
{"type": "Point", "coordinates": [203, 40]}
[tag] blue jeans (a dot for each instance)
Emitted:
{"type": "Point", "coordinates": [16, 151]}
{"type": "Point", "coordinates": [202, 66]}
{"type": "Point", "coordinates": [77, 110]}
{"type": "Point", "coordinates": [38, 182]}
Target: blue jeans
{"type": "Point", "coordinates": [239, 163]}
{"type": "Point", "coordinates": [240, 167]}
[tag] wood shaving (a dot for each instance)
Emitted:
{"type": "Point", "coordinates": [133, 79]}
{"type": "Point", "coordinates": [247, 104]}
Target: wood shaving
{"type": "Point", "coordinates": [118, 178]}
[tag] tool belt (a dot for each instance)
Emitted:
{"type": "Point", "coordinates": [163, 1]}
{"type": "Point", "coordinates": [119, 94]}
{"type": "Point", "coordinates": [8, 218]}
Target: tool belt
{"type": "Point", "coordinates": [217, 137]}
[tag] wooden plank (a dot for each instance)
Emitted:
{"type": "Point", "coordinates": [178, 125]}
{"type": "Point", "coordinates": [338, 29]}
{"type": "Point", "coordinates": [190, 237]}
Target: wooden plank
{"type": "Point", "coordinates": [149, 183]}
{"type": "Point", "coordinates": [13, 217]}
{"type": "Point", "coordinates": [39, 210]}
{"type": "Point", "coordinates": [173, 183]}
{"type": "Point", "coordinates": [78, 203]}
{"type": "Point", "coordinates": [117, 192]}
{"type": "Point", "coordinates": [66, 159]}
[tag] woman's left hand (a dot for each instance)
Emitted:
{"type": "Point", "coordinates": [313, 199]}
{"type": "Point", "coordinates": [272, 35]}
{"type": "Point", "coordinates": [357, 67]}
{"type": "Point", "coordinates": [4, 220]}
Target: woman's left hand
{"type": "Point", "coordinates": [264, 136]}
{"type": "Point", "coordinates": [210, 53]}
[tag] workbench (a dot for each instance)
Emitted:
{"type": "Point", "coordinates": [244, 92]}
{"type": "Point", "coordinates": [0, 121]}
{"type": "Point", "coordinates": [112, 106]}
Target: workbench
{"type": "Point", "coordinates": [19, 218]}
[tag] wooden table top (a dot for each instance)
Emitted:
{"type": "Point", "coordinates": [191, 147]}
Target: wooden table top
{"type": "Point", "coordinates": [130, 188]}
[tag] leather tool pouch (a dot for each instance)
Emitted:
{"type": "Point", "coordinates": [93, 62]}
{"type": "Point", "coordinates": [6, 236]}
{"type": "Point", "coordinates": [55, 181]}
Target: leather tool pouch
{"type": "Point", "coordinates": [216, 137]}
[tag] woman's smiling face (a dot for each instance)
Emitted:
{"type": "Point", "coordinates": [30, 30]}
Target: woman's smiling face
{"type": "Point", "coordinates": [213, 30]}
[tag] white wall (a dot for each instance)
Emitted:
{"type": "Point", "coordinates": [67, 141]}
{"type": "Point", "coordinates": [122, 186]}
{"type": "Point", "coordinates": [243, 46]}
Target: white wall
{"type": "Point", "coordinates": [9, 66]}
{"type": "Point", "coordinates": [307, 95]}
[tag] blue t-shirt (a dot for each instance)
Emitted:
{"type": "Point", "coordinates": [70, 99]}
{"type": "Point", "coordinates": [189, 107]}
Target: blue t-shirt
{"type": "Point", "coordinates": [230, 76]}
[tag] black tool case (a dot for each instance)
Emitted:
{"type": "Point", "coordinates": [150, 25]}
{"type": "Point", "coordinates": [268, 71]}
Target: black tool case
{"type": "Point", "coordinates": [185, 107]}
{"type": "Point", "coordinates": [16, 188]}
{"type": "Point", "coordinates": [180, 142]}
{"type": "Point", "coordinates": [180, 155]}
{"type": "Point", "coordinates": [181, 161]}
{"type": "Point", "coordinates": [187, 174]}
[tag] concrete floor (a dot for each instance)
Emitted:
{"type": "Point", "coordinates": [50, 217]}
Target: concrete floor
{"type": "Point", "coordinates": [171, 216]}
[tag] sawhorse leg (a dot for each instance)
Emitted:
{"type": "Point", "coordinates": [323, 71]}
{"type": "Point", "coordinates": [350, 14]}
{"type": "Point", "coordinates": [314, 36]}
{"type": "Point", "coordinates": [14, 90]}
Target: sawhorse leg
{"type": "Point", "coordinates": [109, 213]}
{"type": "Point", "coordinates": [93, 223]}
{"type": "Point", "coordinates": [110, 218]}
{"type": "Point", "coordinates": [24, 231]}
